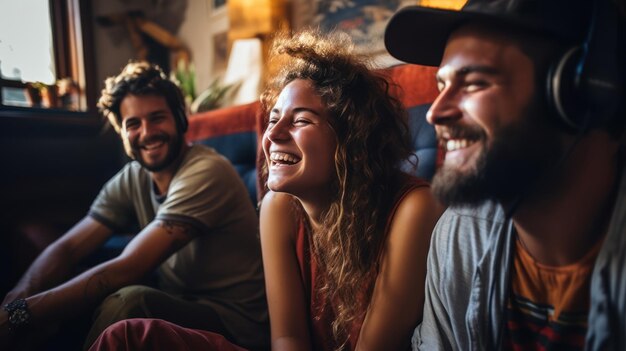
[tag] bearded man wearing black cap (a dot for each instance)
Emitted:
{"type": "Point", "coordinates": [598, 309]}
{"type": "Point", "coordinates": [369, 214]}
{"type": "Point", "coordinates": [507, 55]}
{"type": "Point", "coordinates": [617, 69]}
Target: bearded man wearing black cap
{"type": "Point", "coordinates": [531, 253]}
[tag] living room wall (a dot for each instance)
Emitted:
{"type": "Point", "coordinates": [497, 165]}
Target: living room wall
{"type": "Point", "coordinates": [195, 23]}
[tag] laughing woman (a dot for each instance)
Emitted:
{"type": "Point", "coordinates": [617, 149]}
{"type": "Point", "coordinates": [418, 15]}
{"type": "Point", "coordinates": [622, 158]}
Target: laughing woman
{"type": "Point", "coordinates": [344, 232]}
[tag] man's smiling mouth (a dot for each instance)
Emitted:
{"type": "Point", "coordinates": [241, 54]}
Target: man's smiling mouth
{"type": "Point", "coordinates": [153, 145]}
{"type": "Point", "coordinates": [457, 144]}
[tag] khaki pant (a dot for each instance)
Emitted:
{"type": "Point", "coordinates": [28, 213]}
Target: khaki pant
{"type": "Point", "coordinates": [137, 301]}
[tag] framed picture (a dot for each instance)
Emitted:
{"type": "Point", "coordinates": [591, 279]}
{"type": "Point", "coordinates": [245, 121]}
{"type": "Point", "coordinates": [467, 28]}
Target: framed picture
{"type": "Point", "coordinates": [363, 20]}
{"type": "Point", "coordinates": [220, 50]}
{"type": "Point", "coordinates": [217, 4]}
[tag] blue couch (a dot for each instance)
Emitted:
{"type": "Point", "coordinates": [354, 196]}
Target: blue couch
{"type": "Point", "coordinates": [231, 131]}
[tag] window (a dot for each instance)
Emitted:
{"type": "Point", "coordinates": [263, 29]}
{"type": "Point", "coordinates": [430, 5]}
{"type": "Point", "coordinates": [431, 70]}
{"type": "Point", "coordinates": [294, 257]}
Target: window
{"type": "Point", "coordinates": [44, 60]}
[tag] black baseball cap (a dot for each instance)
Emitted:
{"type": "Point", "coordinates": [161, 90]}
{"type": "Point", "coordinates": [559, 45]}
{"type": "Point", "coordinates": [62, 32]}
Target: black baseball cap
{"type": "Point", "coordinates": [418, 34]}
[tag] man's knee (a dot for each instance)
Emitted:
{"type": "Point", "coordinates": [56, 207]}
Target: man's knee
{"type": "Point", "coordinates": [128, 302]}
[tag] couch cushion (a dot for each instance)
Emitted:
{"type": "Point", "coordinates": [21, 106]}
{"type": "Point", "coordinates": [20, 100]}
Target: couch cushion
{"type": "Point", "coordinates": [424, 143]}
{"type": "Point", "coordinates": [231, 131]}
{"type": "Point", "coordinates": [414, 85]}
{"type": "Point", "coordinates": [416, 88]}
{"type": "Point", "coordinates": [240, 150]}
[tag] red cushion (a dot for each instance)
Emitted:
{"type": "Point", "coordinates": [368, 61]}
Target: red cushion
{"type": "Point", "coordinates": [416, 85]}
{"type": "Point", "coordinates": [223, 121]}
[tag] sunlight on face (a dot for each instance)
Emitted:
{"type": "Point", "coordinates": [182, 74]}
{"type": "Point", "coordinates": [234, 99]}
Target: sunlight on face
{"type": "Point", "coordinates": [149, 131]}
{"type": "Point", "coordinates": [485, 116]}
{"type": "Point", "coordinates": [299, 144]}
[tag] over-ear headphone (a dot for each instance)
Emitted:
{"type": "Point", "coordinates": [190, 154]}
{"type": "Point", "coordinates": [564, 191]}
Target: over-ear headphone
{"type": "Point", "coordinates": [585, 86]}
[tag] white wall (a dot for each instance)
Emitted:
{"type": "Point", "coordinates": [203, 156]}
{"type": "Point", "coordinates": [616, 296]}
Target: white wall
{"type": "Point", "coordinates": [194, 22]}
{"type": "Point", "coordinates": [201, 24]}
{"type": "Point", "coordinates": [112, 45]}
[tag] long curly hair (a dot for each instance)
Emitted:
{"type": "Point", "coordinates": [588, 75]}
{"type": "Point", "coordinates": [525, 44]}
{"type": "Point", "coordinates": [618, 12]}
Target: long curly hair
{"type": "Point", "coordinates": [372, 141]}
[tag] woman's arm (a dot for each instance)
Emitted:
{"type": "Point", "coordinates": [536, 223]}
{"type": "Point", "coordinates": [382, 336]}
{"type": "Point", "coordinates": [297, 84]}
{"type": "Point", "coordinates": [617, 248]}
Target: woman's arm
{"type": "Point", "coordinates": [285, 293]}
{"type": "Point", "coordinates": [398, 297]}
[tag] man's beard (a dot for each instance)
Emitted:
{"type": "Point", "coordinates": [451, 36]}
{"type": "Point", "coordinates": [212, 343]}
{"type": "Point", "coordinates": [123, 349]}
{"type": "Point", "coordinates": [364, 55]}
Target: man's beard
{"type": "Point", "coordinates": [507, 167]}
{"type": "Point", "coordinates": [174, 144]}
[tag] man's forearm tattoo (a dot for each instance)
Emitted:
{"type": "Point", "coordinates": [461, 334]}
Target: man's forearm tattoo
{"type": "Point", "coordinates": [97, 285]}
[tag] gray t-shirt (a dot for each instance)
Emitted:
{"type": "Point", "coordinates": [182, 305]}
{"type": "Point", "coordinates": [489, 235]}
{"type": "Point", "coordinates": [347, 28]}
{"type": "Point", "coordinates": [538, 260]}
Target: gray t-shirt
{"type": "Point", "coordinates": [221, 267]}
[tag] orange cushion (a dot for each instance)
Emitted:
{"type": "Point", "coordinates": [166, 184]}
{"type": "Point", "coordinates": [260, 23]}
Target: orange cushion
{"type": "Point", "coordinates": [223, 121]}
{"type": "Point", "coordinates": [416, 85]}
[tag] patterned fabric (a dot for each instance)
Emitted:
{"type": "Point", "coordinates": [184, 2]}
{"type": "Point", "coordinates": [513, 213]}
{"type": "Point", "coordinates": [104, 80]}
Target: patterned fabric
{"type": "Point", "coordinates": [548, 305]}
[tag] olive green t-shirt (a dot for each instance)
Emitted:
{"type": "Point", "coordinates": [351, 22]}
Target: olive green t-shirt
{"type": "Point", "coordinates": [222, 266]}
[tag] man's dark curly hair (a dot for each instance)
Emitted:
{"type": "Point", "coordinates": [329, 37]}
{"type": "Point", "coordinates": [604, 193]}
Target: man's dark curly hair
{"type": "Point", "coordinates": [141, 79]}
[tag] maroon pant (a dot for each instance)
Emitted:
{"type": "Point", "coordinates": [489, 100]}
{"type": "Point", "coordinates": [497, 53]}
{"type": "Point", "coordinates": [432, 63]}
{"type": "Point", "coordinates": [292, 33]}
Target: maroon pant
{"type": "Point", "coordinates": [156, 335]}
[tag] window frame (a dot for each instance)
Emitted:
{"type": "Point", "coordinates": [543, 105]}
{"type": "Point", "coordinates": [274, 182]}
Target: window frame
{"type": "Point", "coordinates": [72, 32]}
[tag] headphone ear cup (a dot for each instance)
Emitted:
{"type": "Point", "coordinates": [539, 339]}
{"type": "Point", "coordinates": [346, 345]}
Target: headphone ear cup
{"type": "Point", "coordinates": [563, 89]}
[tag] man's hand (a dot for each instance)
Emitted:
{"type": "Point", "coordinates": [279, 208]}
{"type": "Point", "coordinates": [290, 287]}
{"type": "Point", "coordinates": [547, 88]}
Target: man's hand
{"type": "Point", "coordinates": [26, 342]}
